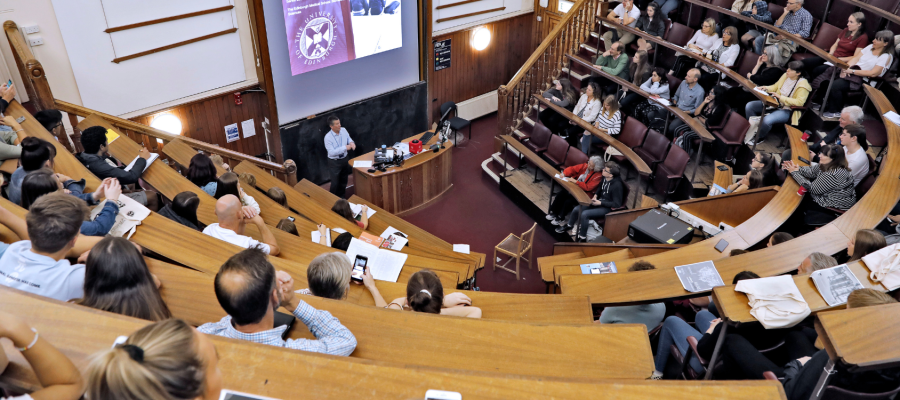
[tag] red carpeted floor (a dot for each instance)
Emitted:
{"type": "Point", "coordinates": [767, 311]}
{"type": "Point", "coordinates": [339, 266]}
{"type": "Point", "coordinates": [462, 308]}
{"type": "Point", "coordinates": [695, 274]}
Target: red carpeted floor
{"type": "Point", "coordinates": [474, 212]}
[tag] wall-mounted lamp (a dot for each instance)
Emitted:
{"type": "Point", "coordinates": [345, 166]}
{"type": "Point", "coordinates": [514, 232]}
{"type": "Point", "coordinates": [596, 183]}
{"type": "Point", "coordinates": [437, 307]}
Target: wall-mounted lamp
{"type": "Point", "coordinates": [167, 123]}
{"type": "Point", "coordinates": [481, 38]}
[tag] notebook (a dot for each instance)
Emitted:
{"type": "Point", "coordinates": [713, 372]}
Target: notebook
{"type": "Point", "coordinates": [835, 284]}
{"type": "Point", "coordinates": [153, 157]}
{"type": "Point", "coordinates": [699, 277]}
{"type": "Point", "coordinates": [599, 268]}
{"type": "Point", "coordinates": [316, 236]}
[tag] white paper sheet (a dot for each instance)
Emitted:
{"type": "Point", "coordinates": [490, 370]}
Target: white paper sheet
{"type": "Point", "coordinates": [356, 208]}
{"type": "Point", "coordinates": [893, 117]}
{"type": "Point", "coordinates": [248, 128]}
{"type": "Point", "coordinates": [384, 264]}
{"type": "Point", "coordinates": [461, 248]}
{"type": "Point", "coordinates": [662, 101]}
{"type": "Point", "coordinates": [339, 230]}
{"type": "Point", "coordinates": [362, 164]}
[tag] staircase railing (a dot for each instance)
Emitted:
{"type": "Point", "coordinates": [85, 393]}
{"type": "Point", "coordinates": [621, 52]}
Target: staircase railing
{"type": "Point", "coordinates": [544, 65]}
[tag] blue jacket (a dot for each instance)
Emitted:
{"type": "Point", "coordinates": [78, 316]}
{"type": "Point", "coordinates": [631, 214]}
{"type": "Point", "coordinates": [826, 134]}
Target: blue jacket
{"type": "Point", "coordinates": [101, 225]}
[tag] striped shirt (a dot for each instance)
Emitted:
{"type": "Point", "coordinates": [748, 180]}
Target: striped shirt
{"type": "Point", "coordinates": [828, 189]}
{"type": "Point", "coordinates": [332, 337]}
{"type": "Point", "coordinates": [612, 125]}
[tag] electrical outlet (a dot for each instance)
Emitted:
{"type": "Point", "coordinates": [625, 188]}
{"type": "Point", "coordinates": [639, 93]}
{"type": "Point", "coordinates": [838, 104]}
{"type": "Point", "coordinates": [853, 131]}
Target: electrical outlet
{"type": "Point", "coordinates": [35, 41]}
{"type": "Point", "coordinates": [31, 29]}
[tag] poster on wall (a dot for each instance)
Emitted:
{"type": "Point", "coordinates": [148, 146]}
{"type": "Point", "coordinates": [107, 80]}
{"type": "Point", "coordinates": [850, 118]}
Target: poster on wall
{"type": "Point", "coordinates": [322, 33]}
{"type": "Point", "coordinates": [248, 128]}
{"type": "Point", "coordinates": [442, 54]}
{"type": "Point", "coordinates": [232, 133]}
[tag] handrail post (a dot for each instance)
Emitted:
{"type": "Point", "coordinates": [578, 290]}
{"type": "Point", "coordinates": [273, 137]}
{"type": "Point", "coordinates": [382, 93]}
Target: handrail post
{"type": "Point", "coordinates": [290, 172]}
{"type": "Point", "coordinates": [30, 69]}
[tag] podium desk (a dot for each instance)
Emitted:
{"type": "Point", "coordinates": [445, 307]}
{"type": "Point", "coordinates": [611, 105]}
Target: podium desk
{"type": "Point", "coordinates": [399, 190]}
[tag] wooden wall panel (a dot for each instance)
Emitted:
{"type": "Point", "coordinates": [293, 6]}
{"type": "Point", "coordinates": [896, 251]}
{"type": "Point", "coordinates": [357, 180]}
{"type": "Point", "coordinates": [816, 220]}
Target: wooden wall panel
{"type": "Point", "coordinates": [473, 73]}
{"type": "Point", "coordinates": [206, 120]}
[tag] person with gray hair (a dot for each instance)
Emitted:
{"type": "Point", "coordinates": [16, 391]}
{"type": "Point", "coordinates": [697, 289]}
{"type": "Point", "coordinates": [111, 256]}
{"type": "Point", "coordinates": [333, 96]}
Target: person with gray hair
{"type": "Point", "coordinates": [849, 115]}
{"type": "Point", "coordinates": [329, 277]}
{"type": "Point", "coordinates": [768, 70]}
{"type": "Point", "coordinates": [815, 262]}
{"type": "Point", "coordinates": [587, 176]}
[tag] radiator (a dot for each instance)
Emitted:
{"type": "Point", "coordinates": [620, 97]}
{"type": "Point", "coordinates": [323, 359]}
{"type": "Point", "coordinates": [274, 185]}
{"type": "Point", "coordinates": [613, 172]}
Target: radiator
{"type": "Point", "coordinates": [478, 106]}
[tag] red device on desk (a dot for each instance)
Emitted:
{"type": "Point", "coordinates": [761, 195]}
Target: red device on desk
{"type": "Point", "coordinates": [415, 146]}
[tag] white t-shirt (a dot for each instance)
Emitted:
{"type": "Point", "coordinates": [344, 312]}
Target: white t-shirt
{"type": "Point", "coordinates": [22, 397]}
{"type": "Point", "coordinates": [22, 269]}
{"type": "Point", "coordinates": [634, 13]}
{"type": "Point", "coordinates": [868, 60]}
{"type": "Point", "coordinates": [859, 164]}
{"type": "Point", "coordinates": [232, 237]}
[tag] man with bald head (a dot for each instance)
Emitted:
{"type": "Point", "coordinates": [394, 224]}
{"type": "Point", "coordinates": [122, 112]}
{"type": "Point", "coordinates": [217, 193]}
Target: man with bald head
{"type": "Point", "coordinates": [233, 218]}
{"type": "Point", "coordinates": [687, 98]}
{"type": "Point", "coordinates": [250, 290]}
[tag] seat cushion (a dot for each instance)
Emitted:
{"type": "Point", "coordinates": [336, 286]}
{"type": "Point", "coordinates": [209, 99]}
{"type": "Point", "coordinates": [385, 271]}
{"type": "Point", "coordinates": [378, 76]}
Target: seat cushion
{"type": "Point", "coordinates": [458, 123]}
{"type": "Point", "coordinates": [535, 148]}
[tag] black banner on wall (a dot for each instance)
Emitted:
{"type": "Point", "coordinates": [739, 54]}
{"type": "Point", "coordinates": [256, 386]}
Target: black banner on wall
{"type": "Point", "coordinates": [442, 54]}
{"type": "Point", "coordinates": [384, 119]}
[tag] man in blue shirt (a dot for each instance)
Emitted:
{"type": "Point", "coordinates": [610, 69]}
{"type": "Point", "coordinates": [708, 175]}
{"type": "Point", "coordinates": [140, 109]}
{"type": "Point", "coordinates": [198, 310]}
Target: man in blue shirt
{"type": "Point", "coordinates": [339, 145]}
{"type": "Point", "coordinates": [687, 98]}
{"type": "Point", "coordinates": [795, 20]}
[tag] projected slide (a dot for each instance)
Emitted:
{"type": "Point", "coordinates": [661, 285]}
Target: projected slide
{"type": "Point", "coordinates": [321, 33]}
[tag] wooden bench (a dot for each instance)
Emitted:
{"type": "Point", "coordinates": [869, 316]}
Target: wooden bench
{"type": "Point", "coordinates": [79, 332]}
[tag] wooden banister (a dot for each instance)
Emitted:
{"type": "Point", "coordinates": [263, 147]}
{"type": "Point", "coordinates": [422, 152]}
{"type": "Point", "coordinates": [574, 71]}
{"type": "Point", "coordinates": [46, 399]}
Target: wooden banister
{"type": "Point", "coordinates": [30, 69]}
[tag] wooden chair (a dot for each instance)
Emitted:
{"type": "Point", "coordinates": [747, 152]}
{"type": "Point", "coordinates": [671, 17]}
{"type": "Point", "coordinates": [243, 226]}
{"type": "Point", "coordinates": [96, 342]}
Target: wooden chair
{"type": "Point", "coordinates": [515, 247]}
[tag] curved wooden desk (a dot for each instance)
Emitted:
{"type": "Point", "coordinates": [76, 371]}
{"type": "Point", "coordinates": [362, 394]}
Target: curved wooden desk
{"type": "Point", "coordinates": [663, 283]}
{"type": "Point", "coordinates": [400, 190]}
{"type": "Point", "coordinates": [620, 288]}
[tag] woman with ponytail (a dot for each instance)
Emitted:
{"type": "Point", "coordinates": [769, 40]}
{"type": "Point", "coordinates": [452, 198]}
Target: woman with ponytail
{"type": "Point", "coordinates": [424, 293]}
{"type": "Point", "coordinates": [167, 360]}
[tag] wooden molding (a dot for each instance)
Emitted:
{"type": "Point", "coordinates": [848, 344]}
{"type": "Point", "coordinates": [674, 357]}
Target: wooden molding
{"type": "Point", "coordinates": [167, 19]}
{"type": "Point", "coordinates": [471, 14]}
{"type": "Point", "coordinates": [441, 7]}
{"type": "Point", "coordinates": [174, 45]}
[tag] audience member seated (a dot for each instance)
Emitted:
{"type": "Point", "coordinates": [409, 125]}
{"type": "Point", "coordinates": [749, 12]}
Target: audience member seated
{"type": "Point", "coordinates": [711, 113]}
{"type": "Point", "coordinates": [342, 207]}
{"type": "Point", "coordinates": [766, 164]}
{"type": "Point", "coordinates": [646, 110]}
{"type": "Point", "coordinates": [815, 262]}
{"type": "Point", "coordinates": [587, 108]}
{"type": "Point", "coordinates": [50, 119]}
{"type": "Point", "coordinates": [561, 94]}
{"type": "Point", "coordinates": [778, 238]}
{"type": "Point", "coordinates": [152, 363]}
{"type": "Point", "coordinates": [288, 226]}
{"type": "Point", "coordinates": [202, 172]}
{"type": "Point", "coordinates": [752, 180]}
{"type": "Point", "coordinates": [873, 61]}
{"type": "Point", "coordinates": [609, 121]}
{"type": "Point", "coordinates": [36, 154]}
{"type": "Point", "coordinates": [853, 37]}
{"type": "Point", "coordinates": [183, 210]}
{"type": "Point", "coordinates": [41, 182]}
{"type": "Point", "coordinates": [865, 241]}
{"type": "Point", "coordinates": [767, 72]}
{"type": "Point", "coordinates": [116, 279]}
{"type": "Point", "coordinates": [795, 20]}
{"type": "Point", "coordinates": [758, 10]}
{"type": "Point", "coordinates": [614, 62]}
{"type": "Point", "coordinates": [588, 177]}
{"type": "Point", "coordinates": [626, 14]}
{"type": "Point", "coordinates": [342, 242]}
{"type": "Point", "coordinates": [701, 43]}
{"type": "Point", "coordinates": [96, 159]}
{"type": "Point", "coordinates": [7, 94]}
{"type": "Point", "coordinates": [790, 91]}
{"type": "Point", "coordinates": [424, 293]}
{"type": "Point", "coordinates": [829, 183]}
{"type": "Point", "coordinates": [250, 290]}
{"type": "Point", "coordinates": [247, 179]}
{"type": "Point", "coordinates": [217, 159]}
{"type": "Point", "coordinates": [39, 265]}
{"type": "Point", "coordinates": [610, 195]}
{"type": "Point", "coordinates": [849, 115]}
{"type": "Point", "coordinates": [640, 71]}
{"type": "Point", "coordinates": [654, 23]}
{"type": "Point", "coordinates": [724, 52]}
{"type": "Point", "coordinates": [675, 331]}
{"type": "Point", "coordinates": [803, 372]}
{"type": "Point", "coordinates": [11, 135]}
{"type": "Point", "coordinates": [648, 314]}
{"type": "Point", "coordinates": [276, 194]}
{"type": "Point", "coordinates": [853, 139]}
{"type": "Point", "coordinates": [329, 277]}
{"type": "Point", "coordinates": [59, 378]}
{"type": "Point", "coordinates": [233, 218]}
{"type": "Point", "coordinates": [230, 183]}
{"type": "Point", "coordinates": [687, 98]}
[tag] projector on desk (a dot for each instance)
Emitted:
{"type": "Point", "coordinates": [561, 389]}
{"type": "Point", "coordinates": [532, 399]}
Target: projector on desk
{"type": "Point", "coordinates": [384, 155]}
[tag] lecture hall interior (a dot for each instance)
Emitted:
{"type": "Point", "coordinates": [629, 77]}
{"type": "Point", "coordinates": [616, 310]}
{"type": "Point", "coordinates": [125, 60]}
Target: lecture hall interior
{"type": "Point", "coordinates": [595, 199]}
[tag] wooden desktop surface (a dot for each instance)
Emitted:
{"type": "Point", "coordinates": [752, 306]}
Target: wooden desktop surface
{"type": "Point", "coordinates": [421, 179]}
{"type": "Point", "coordinates": [723, 178]}
{"type": "Point", "coordinates": [873, 347]}
{"type": "Point", "coordinates": [574, 190]}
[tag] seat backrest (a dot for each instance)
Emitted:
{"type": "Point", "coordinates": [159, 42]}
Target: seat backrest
{"type": "Point", "coordinates": [776, 10]}
{"type": "Point", "coordinates": [575, 157]}
{"type": "Point", "coordinates": [873, 167]}
{"type": "Point", "coordinates": [677, 160]}
{"type": "Point", "coordinates": [447, 106]}
{"type": "Point", "coordinates": [558, 148]}
{"type": "Point", "coordinates": [876, 133]}
{"type": "Point", "coordinates": [865, 185]}
{"type": "Point", "coordinates": [668, 29]}
{"type": "Point", "coordinates": [826, 36]}
{"type": "Point", "coordinates": [680, 34]}
{"type": "Point", "coordinates": [873, 20]}
{"type": "Point", "coordinates": [726, 4]}
{"type": "Point", "coordinates": [674, 83]}
{"type": "Point", "coordinates": [836, 393]}
{"type": "Point", "coordinates": [626, 191]}
{"type": "Point", "coordinates": [656, 145]}
{"type": "Point", "coordinates": [838, 14]}
{"type": "Point", "coordinates": [633, 133]}
{"type": "Point", "coordinates": [540, 135]}
{"type": "Point", "coordinates": [527, 238]}
{"type": "Point", "coordinates": [736, 127]}
{"type": "Point", "coordinates": [748, 61]}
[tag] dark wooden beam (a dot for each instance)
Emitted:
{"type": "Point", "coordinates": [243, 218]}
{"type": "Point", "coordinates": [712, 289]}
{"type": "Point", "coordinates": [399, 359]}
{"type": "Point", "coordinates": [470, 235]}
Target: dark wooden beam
{"type": "Point", "coordinates": [167, 19]}
{"type": "Point", "coordinates": [441, 7]}
{"type": "Point", "coordinates": [174, 45]}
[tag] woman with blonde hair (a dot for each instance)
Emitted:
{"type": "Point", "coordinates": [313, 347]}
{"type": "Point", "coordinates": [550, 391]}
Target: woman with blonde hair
{"type": "Point", "coordinates": [168, 360]}
{"type": "Point", "coordinates": [724, 52]}
{"type": "Point", "coordinates": [609, 121]}
{"type": "Point", "coordinates": [702, 43]}
{"type": "Point", "coordinates": [865, 242]}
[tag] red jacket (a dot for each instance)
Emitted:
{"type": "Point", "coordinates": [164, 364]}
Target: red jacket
{"type": "Point", "coordinates": [591, 181]}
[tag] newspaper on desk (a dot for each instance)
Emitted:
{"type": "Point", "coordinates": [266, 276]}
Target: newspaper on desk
{"type": "Point", "coordinates": [835, 284]}
{"type": "Point", "coordinates": [699, 277]}
{"type": "Point", "coordinates": [130, 215]}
